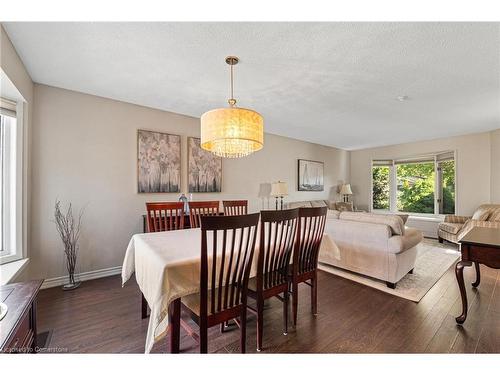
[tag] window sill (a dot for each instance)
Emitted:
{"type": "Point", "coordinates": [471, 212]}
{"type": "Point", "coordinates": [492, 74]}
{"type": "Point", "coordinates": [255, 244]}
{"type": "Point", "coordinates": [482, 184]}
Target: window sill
{"type": "Point", "coordinates": [9, 271]}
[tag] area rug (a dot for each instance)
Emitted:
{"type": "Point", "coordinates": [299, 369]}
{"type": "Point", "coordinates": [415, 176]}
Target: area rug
{"type": "Point", "coordinates": [433, 260]}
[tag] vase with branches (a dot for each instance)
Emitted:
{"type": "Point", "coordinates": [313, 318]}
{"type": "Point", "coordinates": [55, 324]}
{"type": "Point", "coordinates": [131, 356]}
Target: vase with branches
{"type": "Point", "coordinates": [68, 226]}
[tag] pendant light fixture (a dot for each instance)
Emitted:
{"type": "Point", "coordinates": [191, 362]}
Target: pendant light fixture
{"type": "Point", "coordinates": [232, 132]}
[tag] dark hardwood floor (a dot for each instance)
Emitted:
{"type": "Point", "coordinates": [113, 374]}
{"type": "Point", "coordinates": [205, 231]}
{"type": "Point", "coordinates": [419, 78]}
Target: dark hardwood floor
{"type": "Point", "coordinates": [103, 317]}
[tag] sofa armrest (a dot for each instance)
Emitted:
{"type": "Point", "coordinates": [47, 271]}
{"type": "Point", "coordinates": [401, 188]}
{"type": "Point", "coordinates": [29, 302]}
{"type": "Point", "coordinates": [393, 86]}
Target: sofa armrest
{"type": "Point", "coordinates": [456, 219]}
{"type": "Point", "coordinates": [411, 238]}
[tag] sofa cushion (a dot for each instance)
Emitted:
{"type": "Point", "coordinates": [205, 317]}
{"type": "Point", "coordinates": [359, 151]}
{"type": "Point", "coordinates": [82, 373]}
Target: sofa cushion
{"type": "Point", "coordinates": [452, 228]}
{"type": "Point", "coordinates": [394, 222]}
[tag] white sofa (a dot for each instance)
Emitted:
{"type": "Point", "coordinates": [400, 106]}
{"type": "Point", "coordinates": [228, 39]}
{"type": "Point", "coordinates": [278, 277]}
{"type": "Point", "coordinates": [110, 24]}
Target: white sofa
{"type": "Point", "coordinates": [375, 245]}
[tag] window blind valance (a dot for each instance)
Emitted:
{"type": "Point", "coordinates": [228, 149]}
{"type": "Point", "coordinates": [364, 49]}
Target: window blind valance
{"type": "Point", "coordinates": [381, 163]}
{"type": "Point", "coordinates": [8, 107]}
{"type": "Point", "coordinates": [442, 156]}
{"type": "Point", "coordinates": [415, 161]}
{"type": "Point", "coordinates": [445, 156]}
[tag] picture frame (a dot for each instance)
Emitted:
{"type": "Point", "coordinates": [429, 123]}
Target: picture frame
{"type": "Point", "coordinates": [158, 162]}
{"type": "Point", "coordinates": [310, 175]}
{"type": "Point", "coordinates": [204, 169]}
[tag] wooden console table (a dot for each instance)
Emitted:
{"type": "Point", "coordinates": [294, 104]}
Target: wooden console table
{"type": "Point", "coordinates": [481, 246]}
{"type": "Point", "coordinates": [18, 326]}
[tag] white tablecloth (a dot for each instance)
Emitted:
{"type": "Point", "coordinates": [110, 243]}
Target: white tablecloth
{"type": "Point", "coordinates": [167, 267]}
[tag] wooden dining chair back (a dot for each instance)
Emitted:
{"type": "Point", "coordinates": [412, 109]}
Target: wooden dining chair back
{"type": "Point", "coordinates": [227, 250]}
{"type": "Point", "coordinates": [277, 235]}
{"type": "Point", "coordinates": [162, 216]}
{"type": "Point", "coordinates": [311, 227]}
{"type": "Point", "coordinates": [197, 210]}
{"type": "Point", "coordinates": [165, 216]}
{"type": "Point", "coordinates": [232, 208]}
{"type": "Point", "coordinates": [276, 243]}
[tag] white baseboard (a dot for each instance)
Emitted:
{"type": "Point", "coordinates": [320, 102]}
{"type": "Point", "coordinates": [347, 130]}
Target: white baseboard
{"type": "Point", "coordinates": [84, 276]}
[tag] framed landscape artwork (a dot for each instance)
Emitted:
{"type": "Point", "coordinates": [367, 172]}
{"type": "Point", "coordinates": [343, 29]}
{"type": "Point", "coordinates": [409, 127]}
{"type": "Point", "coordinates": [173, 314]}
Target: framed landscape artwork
{"type": "Point", "coordinates": [310, 175]}
{"type": "Point", "coordinates": [158, 162]}
{"type": "Point", "coordinates": [204, 169]}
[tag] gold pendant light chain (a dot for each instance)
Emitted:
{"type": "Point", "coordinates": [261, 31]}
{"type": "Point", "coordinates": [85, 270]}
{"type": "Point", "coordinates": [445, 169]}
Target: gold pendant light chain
{"type": "Point", "coordinates": [232, 101]}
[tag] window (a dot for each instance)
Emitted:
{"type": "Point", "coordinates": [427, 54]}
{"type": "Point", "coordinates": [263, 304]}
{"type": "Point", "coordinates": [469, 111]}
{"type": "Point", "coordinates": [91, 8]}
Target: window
{"type": "Point", "coordinates": [423, 185]}
{"type": "Point", "coordinates": [381, 187]}
{"type": "Point", "coordinates": [10, 184]}
{"type": "Point", "coordinates": [446, 184]}
{"type": "Point", "coordinates": [415, 187]}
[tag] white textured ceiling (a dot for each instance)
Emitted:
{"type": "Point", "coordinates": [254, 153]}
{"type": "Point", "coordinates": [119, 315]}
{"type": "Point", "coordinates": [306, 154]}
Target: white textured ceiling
{"type": "Point", "coordinates": [330, 83]}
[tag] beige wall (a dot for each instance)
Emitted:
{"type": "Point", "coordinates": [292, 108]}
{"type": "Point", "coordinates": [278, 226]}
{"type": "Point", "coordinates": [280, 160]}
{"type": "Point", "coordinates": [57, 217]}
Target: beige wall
{"type": "Point", "coordinates": [15, 70]}
{"type": "Point", "coordinates": [474, 167]}
{"type": "Point", "coordinates": [495, 166]}
{"type": "Point", "coordinates": [84, 152]}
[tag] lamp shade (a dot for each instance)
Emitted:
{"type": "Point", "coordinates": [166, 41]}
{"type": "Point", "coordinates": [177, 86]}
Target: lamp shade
{"type": "Point", "coordinates": [346, 189]}
{"type": "Point", "coordinates": [232, 132]}
{"type": "Point", "coordinates": [279, 189]}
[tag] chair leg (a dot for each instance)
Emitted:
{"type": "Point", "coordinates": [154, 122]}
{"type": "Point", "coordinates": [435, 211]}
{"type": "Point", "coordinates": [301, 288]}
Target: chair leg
{"type": "Point", "coordinates": [174, 312]}
{"type": "Point", "coordinates": [243, 329]}
{"type": "Point", "coordinates": [286, 298]}
{"type": "Point", "coordinates": [203, 336]}
{"type": "Point", "coordinates": [260, 322]}
{"type": "Point", "coordinates": [314, 295]}
{"type": "Point", "coordinates": [295, 301]}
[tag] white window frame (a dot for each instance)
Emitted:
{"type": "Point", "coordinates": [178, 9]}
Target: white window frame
{"type": "Point", "coordinates": [13, 246]}
{"type": "Point", "coordinates": [393, 185]}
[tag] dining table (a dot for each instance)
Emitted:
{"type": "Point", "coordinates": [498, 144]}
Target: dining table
{"type": "Point", "coordinates": [167, 268]}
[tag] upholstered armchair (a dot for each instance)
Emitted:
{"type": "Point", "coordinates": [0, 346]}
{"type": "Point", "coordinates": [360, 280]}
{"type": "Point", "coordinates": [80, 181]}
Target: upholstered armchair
{"type": "Point", "coordinates": [455, 227]}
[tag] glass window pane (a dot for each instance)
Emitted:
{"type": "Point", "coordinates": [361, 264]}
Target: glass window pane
{"type": "Point", "coordinates": [381, 187]}
{"type": "Point", "coordinates": [447, 183]}
{"type": "Point", "coordinates": [415, 187]}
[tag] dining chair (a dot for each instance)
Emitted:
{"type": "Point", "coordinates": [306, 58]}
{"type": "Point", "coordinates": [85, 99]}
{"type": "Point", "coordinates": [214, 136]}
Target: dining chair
{"type": "Point", "coordinates": [162, 216]}
{"type": "Point", "coordinates": [197, 210]}
{"type": "Point", "coordinates": [232, 208]}
{"type": "Point", "coordinates": [311, 225]}
{"type": "Point", "coordinates": [227, 249]}
{"type": "Point", "coordinates": [276, 242]}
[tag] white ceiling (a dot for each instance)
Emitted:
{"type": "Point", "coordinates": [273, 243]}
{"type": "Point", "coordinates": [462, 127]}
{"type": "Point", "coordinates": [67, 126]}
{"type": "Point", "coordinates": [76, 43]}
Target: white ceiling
{"type": "Point", "coordinates": [330, 83]}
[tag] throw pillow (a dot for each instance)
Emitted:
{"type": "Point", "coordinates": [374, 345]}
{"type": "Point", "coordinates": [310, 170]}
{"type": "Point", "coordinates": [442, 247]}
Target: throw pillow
{"type": "Point", "coordinates": [495, 215]}
{"type": "Point", "coordinates": [404, 217]}
{"type": "Point", "coordinates": [481, 214]}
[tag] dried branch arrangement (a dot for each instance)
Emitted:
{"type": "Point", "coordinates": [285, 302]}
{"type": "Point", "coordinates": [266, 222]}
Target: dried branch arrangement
{"type": "Point", "coordinates": [69, 230]}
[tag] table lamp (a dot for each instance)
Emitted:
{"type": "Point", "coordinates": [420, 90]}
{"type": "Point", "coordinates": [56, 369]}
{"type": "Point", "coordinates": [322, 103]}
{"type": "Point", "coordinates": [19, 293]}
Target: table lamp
{"type": "Point", "coordinates": [279, 190]}
{"type": "Point", "coordinates": [345, 191]}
